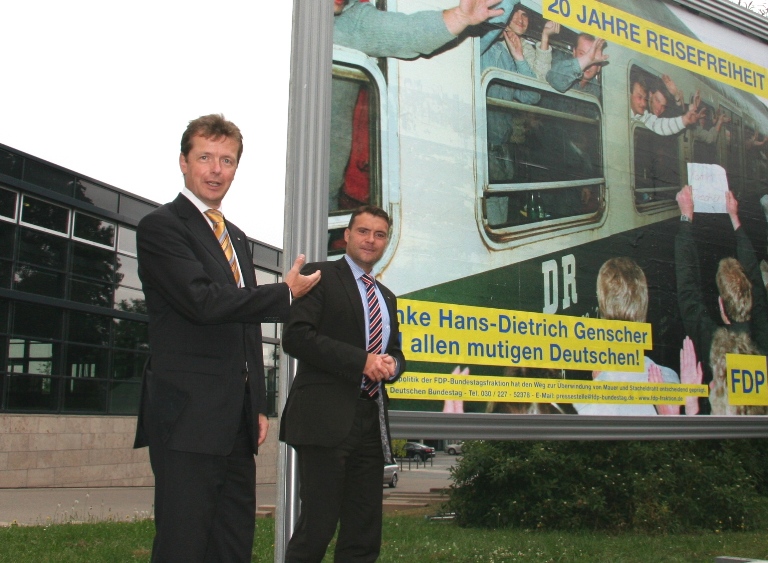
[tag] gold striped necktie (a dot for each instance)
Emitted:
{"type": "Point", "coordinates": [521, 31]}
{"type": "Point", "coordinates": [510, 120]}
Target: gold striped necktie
{"type": "Point", "coordinates": [220, 230]}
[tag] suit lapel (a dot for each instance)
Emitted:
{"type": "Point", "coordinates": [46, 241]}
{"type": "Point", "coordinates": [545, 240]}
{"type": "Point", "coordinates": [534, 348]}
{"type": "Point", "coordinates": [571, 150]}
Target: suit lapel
{"type": "Point", "coordinates": [349, 284]}
{"type": "Point", "coordinates": [240, 244]}
{"type": "Point", "coordinates": [200, 227]}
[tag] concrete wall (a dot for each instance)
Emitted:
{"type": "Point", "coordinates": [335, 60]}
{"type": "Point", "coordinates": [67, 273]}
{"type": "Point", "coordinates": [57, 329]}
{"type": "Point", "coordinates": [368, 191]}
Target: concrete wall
{"type": "Point", "coordinates": [87, 451]}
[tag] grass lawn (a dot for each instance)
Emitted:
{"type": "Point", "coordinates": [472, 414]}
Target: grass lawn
{"type": "Point", "coordinates": [406, 536]}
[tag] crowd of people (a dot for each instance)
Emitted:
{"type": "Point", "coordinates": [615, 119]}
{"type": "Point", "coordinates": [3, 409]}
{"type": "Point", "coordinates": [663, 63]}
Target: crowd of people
{"type": "Point", "coordinates": [622, 294]}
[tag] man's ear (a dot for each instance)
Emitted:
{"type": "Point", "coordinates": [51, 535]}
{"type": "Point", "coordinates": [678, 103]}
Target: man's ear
{"type": "Point", "coordinates": [183, 163]}
{"type": "Point", "coordinates": [723, 316]}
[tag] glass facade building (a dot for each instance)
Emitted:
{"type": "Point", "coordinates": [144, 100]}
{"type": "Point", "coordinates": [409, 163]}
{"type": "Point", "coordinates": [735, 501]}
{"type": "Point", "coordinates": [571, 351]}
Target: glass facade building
{"type": "Point", "coordinates": [73, 322]}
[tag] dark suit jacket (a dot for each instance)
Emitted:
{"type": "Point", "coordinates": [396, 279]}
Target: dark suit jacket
{"type": "Point", "coordinates": [326, 333]}
{"type": "Point", "coordinates": [203, 331]}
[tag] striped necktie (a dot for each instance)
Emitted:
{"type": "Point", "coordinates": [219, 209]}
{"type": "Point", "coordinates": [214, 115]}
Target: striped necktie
{"type": "Point", "coordinates": [220, 230]}
{"type": "Point", "coordinates": [375, 329]}
{"type": "Point", "coordinates": [375, 340]}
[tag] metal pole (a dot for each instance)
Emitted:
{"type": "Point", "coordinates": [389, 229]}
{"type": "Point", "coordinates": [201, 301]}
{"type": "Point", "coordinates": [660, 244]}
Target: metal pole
{"type": "Point", "coordinates": [306, 199]}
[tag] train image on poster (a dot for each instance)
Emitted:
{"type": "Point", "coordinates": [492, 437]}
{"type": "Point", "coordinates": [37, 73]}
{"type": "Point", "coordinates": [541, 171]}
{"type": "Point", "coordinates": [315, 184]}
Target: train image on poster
{"type": "Point", "coordinates": [546, 252]}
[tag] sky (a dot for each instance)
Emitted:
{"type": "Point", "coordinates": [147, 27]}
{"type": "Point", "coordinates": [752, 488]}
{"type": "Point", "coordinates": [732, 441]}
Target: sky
{"type": "Point", "coordinates": [106, 89]}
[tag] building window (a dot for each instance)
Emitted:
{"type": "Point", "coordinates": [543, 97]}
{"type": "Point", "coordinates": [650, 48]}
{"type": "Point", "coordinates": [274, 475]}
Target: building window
{"type": "Point", "coordinates": [85, 386]}
{"type": "Point", "coordinates": [31, 365]}
{"type": "Point", "coordinates": [86, 353]}
{"type": "Point", "coordinates": [126, 241]}
{"type": "Point", "coordinates": [8, 203]}
{"type": "Point", "coordinates": [43, 215]}
{"type": "Point", "coordinates": [102, 198]}
{"type": "Point", "coordinates": [92, 275]}
{"type": "Point", "coordinates": [94, 230]}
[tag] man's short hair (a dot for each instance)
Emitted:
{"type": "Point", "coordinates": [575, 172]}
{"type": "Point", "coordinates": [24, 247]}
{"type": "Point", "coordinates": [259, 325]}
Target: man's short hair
{"type": "Point", "coordinates": [735, 290]}
{"type": "Point", "coordinates": [655, 84]}
{"type": "Point", "coordinates": [622, 290]}
{"type": "Point", "coordinates": [371, 210]}
{"type": "Point", "coordinates": [640, 81]}
{"type": "Point", "coordinates": [586, 37]}
{"type": "Point", "coordinates": [212, 126]}
{"type": "Point", "coordinates": [518, 7]}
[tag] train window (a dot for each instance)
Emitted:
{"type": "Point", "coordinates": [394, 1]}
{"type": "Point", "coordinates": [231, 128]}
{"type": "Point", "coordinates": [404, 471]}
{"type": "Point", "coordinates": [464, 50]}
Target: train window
{"type": "Point", "coordinates": [756, 160]}
{"type": "Point", "coordinates": [733, 149]}
{"type": "Point", "coordinates": [659, 169]}
{"type": "Point", "coordinates": [705, 134]}
{"type": "Point", "coordinates": [355, 163]}
{"type": "Point", "coordinates": [544, 161]}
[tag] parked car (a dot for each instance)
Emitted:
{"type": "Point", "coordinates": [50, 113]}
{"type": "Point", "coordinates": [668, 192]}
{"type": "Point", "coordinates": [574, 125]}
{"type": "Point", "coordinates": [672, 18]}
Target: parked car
{"type": "Point", "coordinates": [417, 449]}
{"type": "Point", "coordinates": [454, 448]}
{"type": "Point", "coordinates": [390, 475]}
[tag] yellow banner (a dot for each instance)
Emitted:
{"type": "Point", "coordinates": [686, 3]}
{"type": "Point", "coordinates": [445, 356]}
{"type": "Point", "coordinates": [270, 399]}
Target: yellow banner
{"type": "Point", "coordinates": [452, 387]}
{"type": "Point", "coordinates": [659, 42]}
{"type": "Point", "coordinates": [462, 334]}
{"type": "Point", "coordinates": [746, 380]}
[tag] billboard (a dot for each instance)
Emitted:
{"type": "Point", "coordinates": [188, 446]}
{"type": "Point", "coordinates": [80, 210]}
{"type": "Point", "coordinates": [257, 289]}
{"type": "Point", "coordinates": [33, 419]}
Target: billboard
{"type": "Point", "coordinates": [543, 251]}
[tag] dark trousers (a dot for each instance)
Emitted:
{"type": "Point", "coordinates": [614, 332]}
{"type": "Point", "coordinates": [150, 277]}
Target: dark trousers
{"type": "Point", "coordinates": [205, 505]}
{"type": "Point", "coordinates": [341, 485]}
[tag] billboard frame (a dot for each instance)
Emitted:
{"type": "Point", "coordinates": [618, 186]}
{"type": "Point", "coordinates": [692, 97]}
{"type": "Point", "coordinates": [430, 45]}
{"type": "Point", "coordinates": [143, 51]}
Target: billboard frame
{"type": "Point", "coordinates": [305, 229]}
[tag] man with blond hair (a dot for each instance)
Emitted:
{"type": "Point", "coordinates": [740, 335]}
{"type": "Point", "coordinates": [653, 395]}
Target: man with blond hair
{"type": "Point", "coordinates": [622, 290]}
{"type": "Point", "coordinates": [622, 295]}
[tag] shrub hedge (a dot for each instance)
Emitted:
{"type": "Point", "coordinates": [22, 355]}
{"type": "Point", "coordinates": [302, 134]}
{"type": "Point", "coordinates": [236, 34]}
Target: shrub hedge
{"type": "Point", "coordinates": [662, 487]}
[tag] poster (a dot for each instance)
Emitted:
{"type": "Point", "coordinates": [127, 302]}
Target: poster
{"type": "Point", "coordinates": [540, 251]}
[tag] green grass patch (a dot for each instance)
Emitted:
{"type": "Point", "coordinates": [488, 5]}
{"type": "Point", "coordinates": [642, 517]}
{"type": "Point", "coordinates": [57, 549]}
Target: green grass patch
{"type": "Point", "coordinates": [406, 536]}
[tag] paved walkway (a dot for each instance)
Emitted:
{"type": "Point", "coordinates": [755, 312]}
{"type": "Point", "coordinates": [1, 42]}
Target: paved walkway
{"type": "Point", "coordinates": [60, 505]}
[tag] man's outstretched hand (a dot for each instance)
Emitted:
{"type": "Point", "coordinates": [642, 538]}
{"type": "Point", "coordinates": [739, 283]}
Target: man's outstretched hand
{"type": "Point", "coordinates": [300, 284]}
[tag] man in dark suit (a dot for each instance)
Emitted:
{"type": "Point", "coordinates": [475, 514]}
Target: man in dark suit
{"type": "Point", "coordinates": [203, 403]}
{"type": "Point", "coordinates": [345, 335]}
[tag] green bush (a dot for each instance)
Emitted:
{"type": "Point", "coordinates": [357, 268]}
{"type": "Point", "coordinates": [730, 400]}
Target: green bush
{"type": "Point", "coordinates": [398, 447]}
{"type": "Point", "coordinates": [663, 487]}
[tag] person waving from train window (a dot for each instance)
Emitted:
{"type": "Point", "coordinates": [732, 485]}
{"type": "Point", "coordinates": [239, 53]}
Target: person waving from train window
{"type": "Point", "coordinates": [507, 49]}
{"type": "Point", "coordinates": [582, 69]}
{"type": "Point", "coordinates": [361, 26]}
{"type": "Point", "coordinates": [514, 53]}
{"type": "Point", "coordinates": [377, 33]}
{"type": "Point", "coordinates": [638, 103]}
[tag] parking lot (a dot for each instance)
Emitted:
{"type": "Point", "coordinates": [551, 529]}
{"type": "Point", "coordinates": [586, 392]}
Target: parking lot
{"type": "Point", "coordinates": [417, 476]}
{"type": "Point", "coordinates": [41, 506]}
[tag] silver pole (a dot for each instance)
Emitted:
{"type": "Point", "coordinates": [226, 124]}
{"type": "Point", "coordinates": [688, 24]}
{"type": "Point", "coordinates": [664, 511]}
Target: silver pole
{"type": "Point", "coordinates": [306, 199]}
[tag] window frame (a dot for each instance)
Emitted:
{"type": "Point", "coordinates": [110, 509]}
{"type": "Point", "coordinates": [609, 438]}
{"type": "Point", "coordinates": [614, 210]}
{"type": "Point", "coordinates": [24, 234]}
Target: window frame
{"type": "Point", "coordinates": [499, 238]}
{"type": "Point", "coordinates": [67, 233]}
{"type": "Point", "coordinates": [388, 142]}
{"type": "Point", "coordinates": [16, 214]}
{"type": "Point", "coordinates": [73, 221]}
{"type": "Point", "coordinates": [665, 205]}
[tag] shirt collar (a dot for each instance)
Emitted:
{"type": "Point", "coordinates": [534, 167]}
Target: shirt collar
{"type": "Point", "coordinates": [201, 207]}
{"type": "Point", "coordinates": [357, 271]}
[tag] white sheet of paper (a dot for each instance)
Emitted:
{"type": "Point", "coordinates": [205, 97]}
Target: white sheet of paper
{"type": "Point", "coordinates": [709, 184]}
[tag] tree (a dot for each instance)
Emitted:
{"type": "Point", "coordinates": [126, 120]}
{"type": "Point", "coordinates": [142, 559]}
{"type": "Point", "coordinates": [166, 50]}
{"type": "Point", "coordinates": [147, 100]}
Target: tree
{"type": "Point", "coordinates": [757, 7]}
